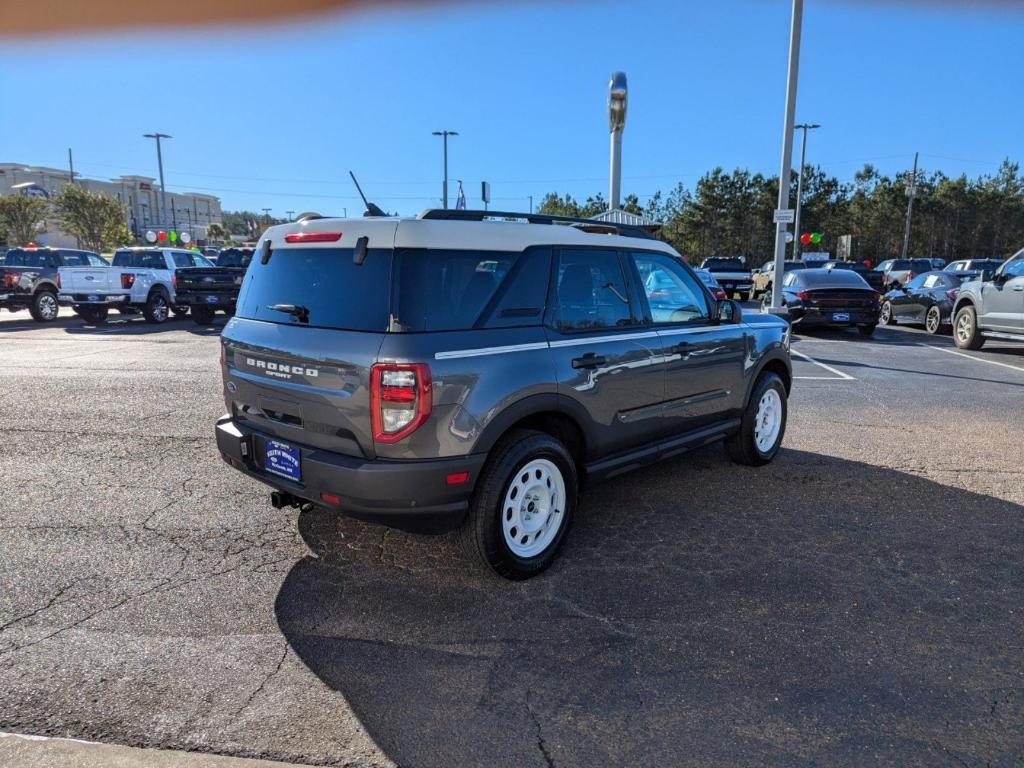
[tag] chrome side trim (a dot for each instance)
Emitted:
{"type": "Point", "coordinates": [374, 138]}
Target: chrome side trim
{"type": "Point", "coordinates": [481, 351]}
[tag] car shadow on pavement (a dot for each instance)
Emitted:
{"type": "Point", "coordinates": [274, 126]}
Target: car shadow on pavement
{"type": "Point", "coordinates": [139, 327]}
{"type": "Point", "coordinates": [815, 611]}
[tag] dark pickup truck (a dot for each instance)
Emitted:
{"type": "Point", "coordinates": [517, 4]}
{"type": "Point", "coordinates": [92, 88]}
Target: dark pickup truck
{"type": "Point", "coordinates": [30, 278]}
{"type": "Point", "coordinates": [209, 290]}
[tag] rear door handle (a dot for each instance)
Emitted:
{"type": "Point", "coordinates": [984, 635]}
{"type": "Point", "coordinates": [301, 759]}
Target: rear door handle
{"type": "Point", "coordinates": [1018, 287]}
{"type": "Point", "coordinates": [589, 360]}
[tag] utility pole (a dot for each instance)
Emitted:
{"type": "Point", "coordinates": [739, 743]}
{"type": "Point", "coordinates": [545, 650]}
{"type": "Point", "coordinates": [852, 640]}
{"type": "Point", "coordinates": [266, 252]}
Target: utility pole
{"type": "Point", "coordinates": [910, 208]}
{"type": "Point", "coordinates": [445, 135]}
{"type": "Point", "coordinates": [160, 165]}
{"type": "Point", "coordinates": [786, 165]}
{"type": "Point", "coordinates": [71, 165]}
{"type": "Point", "coordinates": [266, 214]}
{"type": "Point", "coordinates": [531, 203]}
{"type": "Point", "coordinates": [800, 187]}
{"type": "Point", "coordinates": [291, 215]}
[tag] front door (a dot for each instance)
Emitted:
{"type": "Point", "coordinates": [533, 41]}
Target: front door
{"type": "Point", "coordinates": [704, 360]}
{"type": "Point", "coordinates": [1003, 298]}
{"type": "Point", "coordinates": [605, 359]}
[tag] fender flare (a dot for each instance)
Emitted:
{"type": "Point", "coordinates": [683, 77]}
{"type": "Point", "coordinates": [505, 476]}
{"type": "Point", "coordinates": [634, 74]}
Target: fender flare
{"type": "Point", "coordinates": [547, 402]}
{"type": "Point", "coordinates": [774, 354]}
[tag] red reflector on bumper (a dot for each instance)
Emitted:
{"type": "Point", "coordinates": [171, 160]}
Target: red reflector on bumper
{"type": "Point", "coordinates": [330, 498]}
{"type": "Point", "coordinates": [457, 478]}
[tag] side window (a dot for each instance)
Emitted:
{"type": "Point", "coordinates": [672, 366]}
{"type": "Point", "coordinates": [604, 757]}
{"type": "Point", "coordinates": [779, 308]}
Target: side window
{"type": "Point", "coordinates": [72, 259]}
{"type": "Point", "coordinates": [121, 259]}
{"type": "Point", "coordinates": [934, 281]}
{"type": "Point", "coordinates": [884, 266]}
{"type": "Point", "coordinates": [182, 260]}
{"type": "Point", "coordinates": [789, 279]}
{"type": "Point", "coordinates": [673, 294]}
{"type": "Point", "coordinates": [590, 291]}
{"type": "Point", "coordinates": [96, 261]}
{"type": "Point", "coordinates": [1015, 268]}
{"type": "Point", "coordinates": [917, 282]}
{"type": "Point", "coordinates": [521, 297]}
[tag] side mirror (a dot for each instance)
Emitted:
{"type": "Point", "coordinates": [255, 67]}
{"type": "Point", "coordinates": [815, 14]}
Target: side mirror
{"type": "Point", "coordinates": [986, 275]}
{"type": "Point", "coordinates": [729, 312]}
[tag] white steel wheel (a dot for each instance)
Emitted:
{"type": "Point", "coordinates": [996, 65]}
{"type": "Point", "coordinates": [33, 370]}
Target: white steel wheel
{"type": "Point", "coordinates": [533, 510]}
{"type": "Point", "coordinates": [768, 421]}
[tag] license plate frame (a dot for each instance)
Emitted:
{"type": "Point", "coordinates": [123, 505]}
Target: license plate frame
{"type": "Point", "coordinates": [841, 317]}
{"type": "Point", "coordinates": [283, 460]}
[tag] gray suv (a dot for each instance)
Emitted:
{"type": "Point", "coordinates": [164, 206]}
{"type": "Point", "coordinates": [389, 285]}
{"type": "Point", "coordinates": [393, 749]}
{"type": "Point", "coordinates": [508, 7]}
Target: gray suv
{"type": "Point", "coordinates": [455, 370]}
{"type": "Point", "coordinates": [992, 307]}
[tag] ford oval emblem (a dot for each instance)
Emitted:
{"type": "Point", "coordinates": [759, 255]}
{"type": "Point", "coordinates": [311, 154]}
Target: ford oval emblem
{"type": "Point", "coordinates": [232, 387]}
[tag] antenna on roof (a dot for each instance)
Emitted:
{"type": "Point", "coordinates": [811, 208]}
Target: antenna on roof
{"type": "Point", "coordinates": [371, 208]}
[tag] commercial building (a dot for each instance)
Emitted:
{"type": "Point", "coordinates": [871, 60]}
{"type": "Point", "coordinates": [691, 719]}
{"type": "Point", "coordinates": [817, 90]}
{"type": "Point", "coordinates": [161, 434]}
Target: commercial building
{"type": "Point", "coordinates": [190, 212]}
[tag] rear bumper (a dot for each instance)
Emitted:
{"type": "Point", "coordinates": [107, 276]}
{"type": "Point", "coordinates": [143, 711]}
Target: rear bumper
{"type": "Point", "coordinates": [412, 495]}
{"type": "Point", "coordinates": [195, 298]}
{"type": "Point", "coordinates": [816, 316]}
{"type": "Point", "coordinates": [92, 298]}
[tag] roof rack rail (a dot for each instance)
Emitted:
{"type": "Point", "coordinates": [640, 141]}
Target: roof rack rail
{"type": "Point", "coordinates": [592, 225]}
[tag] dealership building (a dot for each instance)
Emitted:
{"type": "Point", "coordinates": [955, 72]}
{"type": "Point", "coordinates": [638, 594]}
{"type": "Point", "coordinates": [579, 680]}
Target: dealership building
{"type": "Point", "coordinates": [188, 212]}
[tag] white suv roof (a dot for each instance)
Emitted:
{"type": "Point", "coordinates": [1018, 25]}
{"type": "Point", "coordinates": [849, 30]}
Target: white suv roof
{"type": "Point", "coordinates": [462, 234]}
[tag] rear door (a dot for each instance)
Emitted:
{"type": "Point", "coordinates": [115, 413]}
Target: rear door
{"type": "Point", "coordinates": [703, 359]}
{"type": "Point", "coordinates": [605, 358]}
{"type": "Point", "coordinates": [912, 307]}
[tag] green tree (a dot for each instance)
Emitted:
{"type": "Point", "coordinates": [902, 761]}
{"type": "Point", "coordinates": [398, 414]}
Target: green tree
{"type": "Point", "coordinates": [21, 215]}
{"type": "Point", "coordinates": [98, 221]}
{"type": "Point", "coordinates": [217, 232]}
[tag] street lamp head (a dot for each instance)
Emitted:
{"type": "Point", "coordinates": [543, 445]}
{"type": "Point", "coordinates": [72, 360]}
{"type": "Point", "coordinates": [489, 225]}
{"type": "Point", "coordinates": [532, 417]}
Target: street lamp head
{"type": "Point", "coordinates": [807, 126]}
{"type": "Point", "coordinates": [445, 133]}
{"type": "Point", "coordinates": [157, 136]}
{"type": "Point", "coordinates": [617, 102]}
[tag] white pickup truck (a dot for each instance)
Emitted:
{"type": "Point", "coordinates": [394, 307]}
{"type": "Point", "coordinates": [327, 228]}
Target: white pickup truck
{"type": "Point", "coordinates": [138, 280]}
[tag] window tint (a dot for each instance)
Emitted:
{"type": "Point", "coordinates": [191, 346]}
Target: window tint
{"type": "Point", "coordinates": [325, 282]}
{"type": "Point", "coordinates": [18, 258]}
{"type": "Point", "coordinates": [442, 290]}
{"type": "Point", "coordinates": [673, 295]}
{"type": "Point", "coordinates": [590, 291]}
{"type": "Point", "coordinates": [721, 262]}
{"type": "Point", "coordinates": [183, 259]}
{"type": "Point", "coordinates": [235, 257]}
{"type": "Point", "coordinates": [97, 261]}
{"type": "Point", "coordinates": [829, 278]}
{"type": "Point", "coordinates": [520, 299]}
{"type": "Point", "coordinates": [140, 259]}
{"type": "Point", "coordinates": [934, 281]}
{"type": "Point", "coordinates": [74, 259]}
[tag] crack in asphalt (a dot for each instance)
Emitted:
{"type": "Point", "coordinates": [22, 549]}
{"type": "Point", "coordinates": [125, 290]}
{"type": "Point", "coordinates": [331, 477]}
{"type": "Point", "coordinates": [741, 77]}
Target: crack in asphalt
{"type": "Point", "coordinates": [541, 744]}
{"type": "Point", "coordinates": [266, 680]}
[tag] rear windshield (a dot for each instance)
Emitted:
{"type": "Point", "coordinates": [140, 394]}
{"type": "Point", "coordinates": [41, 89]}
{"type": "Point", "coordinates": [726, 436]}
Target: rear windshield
{"type": "Point", "coordinates": [831, 278]}
{"type": "Point", "coordinates": [235, 257]}
{"type": "Point", "coordinates": [140, 259]}
{"type": "Point", "coordinates": [854, 266]}
{"type": "Point", "coordinates": [16, 258]}
{"type": "Point", "coordinates": [323, 282]}
{"type": "Point", "coordinates": [721, 263]}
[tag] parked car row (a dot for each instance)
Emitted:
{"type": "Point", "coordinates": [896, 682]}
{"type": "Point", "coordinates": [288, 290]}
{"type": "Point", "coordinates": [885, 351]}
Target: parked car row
{"type": "Point", "coordinates": [156, 282]}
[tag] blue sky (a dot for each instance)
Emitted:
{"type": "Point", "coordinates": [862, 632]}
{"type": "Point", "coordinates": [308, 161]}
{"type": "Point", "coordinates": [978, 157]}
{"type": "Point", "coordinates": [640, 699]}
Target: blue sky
{"type": "Point", "coordinates": [276, 115]}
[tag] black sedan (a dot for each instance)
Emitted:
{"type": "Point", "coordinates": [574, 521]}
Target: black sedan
{"type": "Point", "coordinates": [830, 297]}
{"type": "Point", "coordinates": [927, 299]}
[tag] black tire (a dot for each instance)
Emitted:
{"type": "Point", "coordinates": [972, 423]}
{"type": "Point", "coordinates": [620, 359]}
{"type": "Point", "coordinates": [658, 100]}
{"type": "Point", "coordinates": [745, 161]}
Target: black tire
{"type": "Point", "coordinates": [742, 447]}
{"type": "Point", "coordinates": [44, 307]}
{"type": "Point", "coordinates": [179, 310]}
{"type": "Point", "coordinates": [965, 329]}
{"type": "Point", "coordinates": [886, 317]}
{"type": "Point", "coordinates": [157, 308]}
{"type": "Point", "coordinates": [933, 320]}
{"type": "Point", "coordinates": [866, 330]}
{"type": "Point", "coordinates": [483, 536]}
{"type": "Point", "coordinates": [203, 315]}
{"type": "Point", "coordinates": [92, 315]}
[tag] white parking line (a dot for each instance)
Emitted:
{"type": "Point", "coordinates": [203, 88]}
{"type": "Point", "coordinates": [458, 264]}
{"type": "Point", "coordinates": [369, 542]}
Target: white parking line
{"type": "Point", "coordinates": [972, 357]}
{"type": "Point", "coordinates": [839, 375]}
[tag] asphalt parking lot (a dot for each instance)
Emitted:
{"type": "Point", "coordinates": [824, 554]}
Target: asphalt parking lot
{"type": "Point", "coordinates": [859, 601]}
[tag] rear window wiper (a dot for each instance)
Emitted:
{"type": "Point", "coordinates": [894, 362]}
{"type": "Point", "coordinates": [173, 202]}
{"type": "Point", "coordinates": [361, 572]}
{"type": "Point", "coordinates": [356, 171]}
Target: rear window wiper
{"type": "Point", "coordinates": [297, 311]}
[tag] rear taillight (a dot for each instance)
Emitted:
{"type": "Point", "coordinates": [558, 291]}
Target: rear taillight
{"type": "Point", "coordinates": [400, 399]}
{"type": "Point", "coordinates": [174, 281]}
{"type": "Point", "coordinates": [910, 276]}
{"type": "Point", "coordinates": [56, 279]}
{"type": "Point", "coordinates": [312, 237]}
{"type": "Point", "coordinates": [803, 295]}
{"type": "Point", "coordinates": [127, 280]}
{"type": "Point", "coordinates": [952, 293]}
{"type": "Point", "coordinates": [10, 279]}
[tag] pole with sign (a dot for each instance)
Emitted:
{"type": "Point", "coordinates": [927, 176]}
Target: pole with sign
{"type": "Point", "coordinates": [485, 193]}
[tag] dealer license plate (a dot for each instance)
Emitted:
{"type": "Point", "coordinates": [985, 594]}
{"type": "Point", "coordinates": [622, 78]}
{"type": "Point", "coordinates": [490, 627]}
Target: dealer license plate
{"type": "Point", "coordinates": [282, 459]}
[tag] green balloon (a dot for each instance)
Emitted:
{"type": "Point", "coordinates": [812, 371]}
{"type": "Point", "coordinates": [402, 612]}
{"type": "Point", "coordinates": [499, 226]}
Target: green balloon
{"type": "Point", "coordinates": [173, 236]}
{"type": "Point", "coordinates": [815, 237]}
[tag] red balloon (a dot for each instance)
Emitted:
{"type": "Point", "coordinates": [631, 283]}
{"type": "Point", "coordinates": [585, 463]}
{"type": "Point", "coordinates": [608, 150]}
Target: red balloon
{"type": "Point", "coordinates": [804, 238]}
{"type": "Point", "coordinates": [161, 236]}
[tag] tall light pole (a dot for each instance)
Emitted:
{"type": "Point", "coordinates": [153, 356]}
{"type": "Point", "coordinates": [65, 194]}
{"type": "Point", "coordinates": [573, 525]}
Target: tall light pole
{"type": "Point", "coordinates": [800, 185]}
{"type": "Point", "coordinates": [616, 124]}
{"type": "Point", "coordinates": [786, 166]}
{"type": "Point", "coordinates": [160, 164]}
{"type": "Point", "coordinates": [445, 135]}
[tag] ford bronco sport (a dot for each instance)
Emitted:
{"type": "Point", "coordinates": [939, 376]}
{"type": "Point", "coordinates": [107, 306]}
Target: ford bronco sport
{"type": "Point", "coordinates": [456, 370]}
